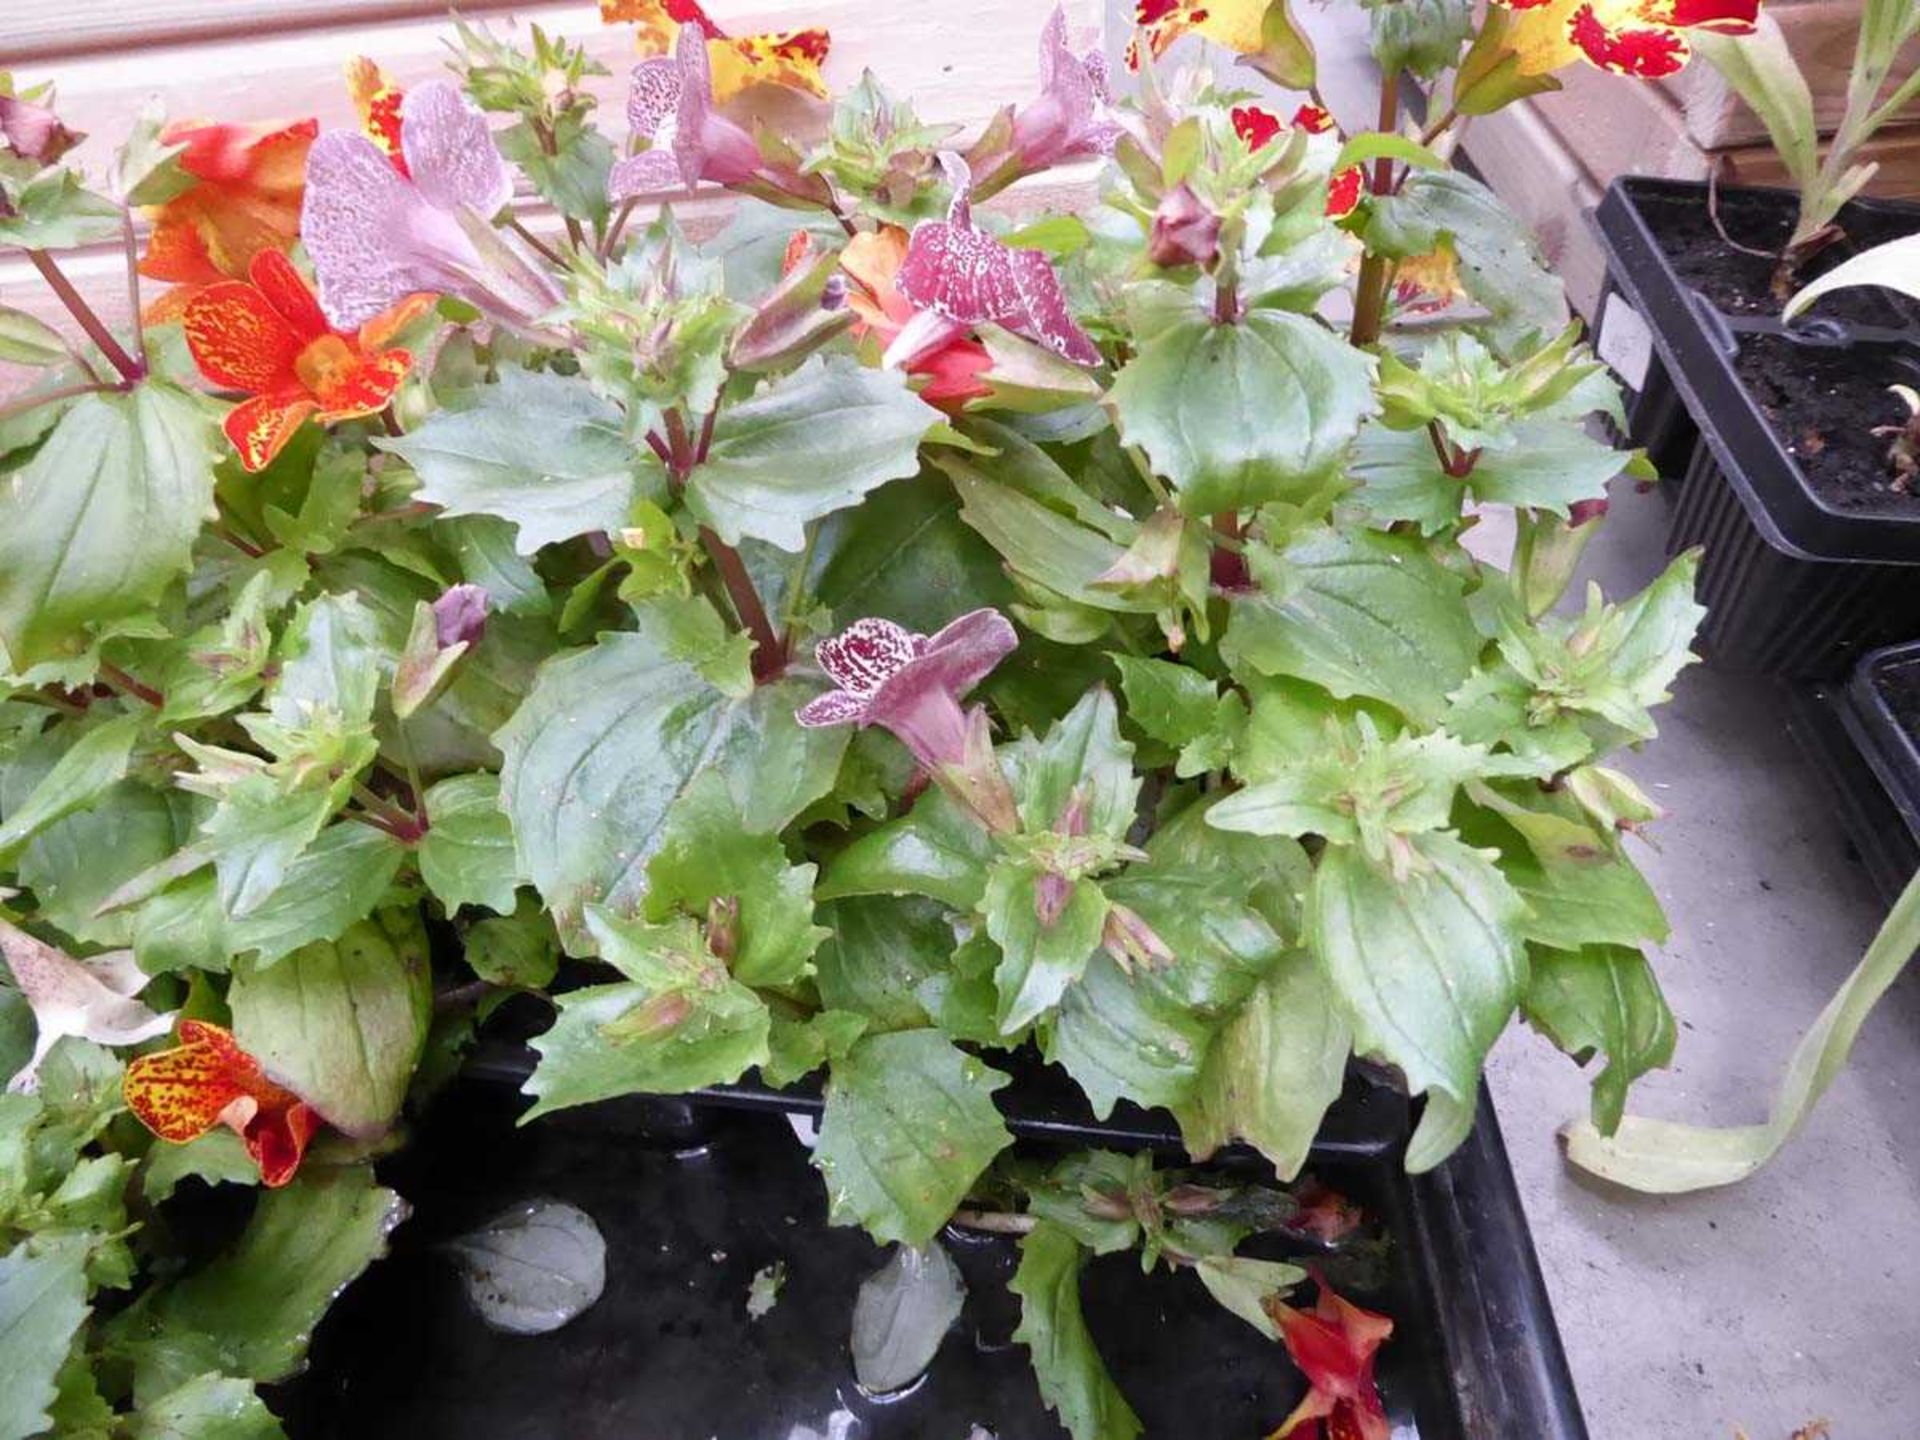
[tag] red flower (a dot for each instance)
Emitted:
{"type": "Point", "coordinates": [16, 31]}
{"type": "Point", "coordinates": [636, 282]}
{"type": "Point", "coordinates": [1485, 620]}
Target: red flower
{"type": "Point", "coordinates": [377, 101]}
{"type": "Point", "coordinates": [1334, 1345]}
{"type": "Point", "coordinates": [1257, 127]}
{"type": "Point", "coordinates": [246, 200]}
{"type": "Point", "coordinates": [208, 1080]}
{"type": "Point", "coordinates": [269, 338]}
{"type": "Point", "coordinates": [1254, 125]}
{"type": "Point", "coordinates": [872, 261]}
{"type": "Point", "coordinates": [1643, 38]}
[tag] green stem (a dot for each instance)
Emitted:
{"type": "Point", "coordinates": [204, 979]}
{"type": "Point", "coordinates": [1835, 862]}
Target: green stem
{"type": "Point", "coordinates": [133, 285]}
{"type": "Point", "coordinates": [47, 397]}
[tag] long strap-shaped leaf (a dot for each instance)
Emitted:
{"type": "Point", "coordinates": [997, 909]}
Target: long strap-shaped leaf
{"type": "Point", "coordinates": [1661, 1157]}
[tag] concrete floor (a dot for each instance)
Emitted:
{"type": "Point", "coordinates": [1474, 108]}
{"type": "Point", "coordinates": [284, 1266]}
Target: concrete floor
{"type": "Point", "coordinates": [1795, 1296]}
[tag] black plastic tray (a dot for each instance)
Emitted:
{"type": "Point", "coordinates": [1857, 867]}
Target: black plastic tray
{"type": "Point", "coordinates": [697, 1194]}
{"type": "Point", "coordinates": [1793, 585]}
{"type": "Point", "coordinates": [1843, 739]}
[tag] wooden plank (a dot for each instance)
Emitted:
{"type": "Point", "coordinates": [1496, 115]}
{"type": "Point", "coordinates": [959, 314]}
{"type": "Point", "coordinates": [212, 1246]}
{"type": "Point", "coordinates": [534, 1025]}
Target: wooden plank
{"type": "Point", "coordinates": [1821, 35]}
{"type": "Point", "coordinates": [49, 31]}
{"type": "Point", "coordinates": [1610, 126]}
{"type": "Point", "coordinates": [1527, 166]}
{"type": "Point", "coordinates": [1896, 151]}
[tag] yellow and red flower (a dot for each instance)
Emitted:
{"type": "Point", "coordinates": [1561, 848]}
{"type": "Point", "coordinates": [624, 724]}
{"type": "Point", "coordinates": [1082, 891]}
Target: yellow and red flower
{"type": "Point", "coordinates": [207, 1080]}
{"type": "Point", "coordinates": [245, 201]}
{"type": "Point", "coordinates": [1643, 38]}
{"type": "Point", "coordinates": [1257, 127]}
{"type": "Point", "coordinates": [1334, 1345]}
{"type": "Point", "coordinates": [268, 338]}
{"type": "Point", "coordinates": [779, 57]}
{"type": "Point", "coordinates": [376, 99]}
{"type": "Point", "coordinates": [872, 262]}
{"type": "Point", "coordinates": [1158, 23]}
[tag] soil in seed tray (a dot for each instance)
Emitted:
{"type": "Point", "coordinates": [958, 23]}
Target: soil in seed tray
{"type": "Point", "coordinates": [1741, 284]}
{"type": "Point", "coordinates": [1824, 403]}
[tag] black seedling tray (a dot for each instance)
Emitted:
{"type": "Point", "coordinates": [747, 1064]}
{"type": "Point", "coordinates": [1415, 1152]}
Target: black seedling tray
{"type": "Point", "coordinates": [1794, 584]}
{"type": "Point", "coordinates": [694, 1195]}
{"type": "Point", "coordinates": [1842, 729]}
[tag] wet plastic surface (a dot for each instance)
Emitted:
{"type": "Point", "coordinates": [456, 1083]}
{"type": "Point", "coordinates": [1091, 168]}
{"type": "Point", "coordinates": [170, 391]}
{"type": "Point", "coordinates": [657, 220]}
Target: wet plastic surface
{"type": "Point", "coordinates": [696, 1196]}
{"type": "Point", "coordinates": [1795, 583]}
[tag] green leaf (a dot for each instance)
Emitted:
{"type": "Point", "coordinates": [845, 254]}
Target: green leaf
{"type": "Point", "coordinates": [250, 1312]}
{"type": "Point", "coordinates": [708, 855]}
{"type": "Point", "coordinates": [330, 662]}
{"type": "Point", "coordinates": [799, 1047]}
{"type": "Point", "coordinates": [1239, 415]}
{"type": "Point", "coordinates": [542, 451]}
{"type": "Point", "coordinates": [43, 1299]}
{"type": "Point", "coordinates": [92, 765]}
{"type": "Point", "coordinates": [1423, 36]}
{"type": "Point", "coordinates": [1273, 1070]}
{"type": "Point", "coordinates": [1602, 998]}
{"type": "Point", "coordinates": [905, 553]}
{"type": "Point", "coordinates": [54, 211]}
{"type": "Point", "coordinates": [74, 864]}
{"type": "Point", "coordinates": [612, 735]}
{"type": "Point", "coordinates": [1429, 969]}
{"type": "Point", "coordinates": [1174, 704]}
{"type": "Point", "coordinates": [676, 1023]}
{"type": "Point", "coordinates": [519, 950]}
{"type": "Point", "coordinates": [341, 1022]}
{"type": "Point", "coordinates": [909, 1125]}
{"type": "Point", "coordinates": [1038, 960]}
{"type": "Point", "coordinates": [483, 547]}
{"type": "Point", "coordinates": [95, 526]}
{"type": "Point", "coordinates": [1762, 71]}
{"type": "Point", "coordinates": [1240, 1283]}
{"type": "Point", "coordinates": [1547, 464]}
{"type": "Point", "coordinates": [27, 341]}
{"type": "Point", "coordinates": [259, 830]}
{"type": "Point", "coordinates": [335, 882]}
{"type": "Point", "coordinates": [466, 856]}
{"type": "Point", "coordinates": [146, 169]}
{"type": "Point", "coordinates": [1373, 144]}
{"type": "Point", "coordinates": [218, 1157]}
{"type": "Point", "coordinates": [1082, 756]}
{"type": "Point", "coordinates": [208, 1407]}
{"type": "Point", "coordinates": [1121, 1041]}
{"type": "Point", "coordinates": [1500, 262]}
{"type": "Point", "coordinates": [936, 849]}
{"type": "Point", "coordinates": [1073, 1380]}
{"type": "Point", "coordinates": [1360, 613]}
{"type": "Point", "coordinates": [812, 443]}
{"type": "Point", "coordinates": [1894, 264]}
{"type": "Point", "coordinates": [879, 951]}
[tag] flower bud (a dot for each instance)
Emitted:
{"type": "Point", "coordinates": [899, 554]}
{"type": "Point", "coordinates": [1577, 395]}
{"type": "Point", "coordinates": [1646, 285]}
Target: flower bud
{"type": "Point", "coordinates": [803, 311]}
{"type": "Point", "coordinates": [33, 132]}
{"type": "Point", "coordinates": [1131, 941]}
{"type": "Point", "coordinates": [1185, 231]}
{"type": "Point", "coordinates": [460, 616]}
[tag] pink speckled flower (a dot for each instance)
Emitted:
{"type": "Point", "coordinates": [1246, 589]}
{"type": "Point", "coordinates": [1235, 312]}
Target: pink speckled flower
{"type": "Point", "coordinates": [1069, 118]}
{"type": "Point", "coordinates": [670, 103]}
{"type": "Point", "coordinates": [957, 276]}
{"type": "Point", "coordinates": [92, 998]}
{"type": "Point", "coordinates": [377, 236]}
{"type": "Point", "coordinates": [912, 685]}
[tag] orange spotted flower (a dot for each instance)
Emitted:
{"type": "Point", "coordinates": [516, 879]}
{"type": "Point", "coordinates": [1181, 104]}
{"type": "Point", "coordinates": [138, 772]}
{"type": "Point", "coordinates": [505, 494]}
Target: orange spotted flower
{"type": "Point", "coordinates": [245, 200]}
{"type": "Point", "coordinates": [781, 57]}
{"type": "Point", "coordinates": [208, 1080]}
{"type": "Point", "coordinates": [1334, 1345]}
{"type": "Point", "coordinates": [376, 99]}
{"type": "Point", "coordinates": [1643, 38]}
{"type": "Point", "coordinates": [268, 337]}
{"type": "Point", "coordinates": [1257, 127]}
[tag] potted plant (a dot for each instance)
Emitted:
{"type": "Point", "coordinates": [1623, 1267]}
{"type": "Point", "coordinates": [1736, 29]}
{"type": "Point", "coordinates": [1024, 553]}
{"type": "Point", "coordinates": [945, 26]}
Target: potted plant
{"type": "Point", "coordinates": [874, 643]}
{"type": "Point", "coordinates": [1810, 546]}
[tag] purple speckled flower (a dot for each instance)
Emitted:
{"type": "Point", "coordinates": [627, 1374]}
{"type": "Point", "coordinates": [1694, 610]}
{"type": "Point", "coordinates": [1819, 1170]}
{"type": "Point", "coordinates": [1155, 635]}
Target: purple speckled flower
{"type": "Point", "coordinates": [671, 103]}
{"type": "Point", "coordinates": [957, 276]}
{"type": "Point", "coordinates": [377, 236]}
{"type": "Point", "coordinates": [1069, 119]}
{"type": "Point", "coordinates": [460, 616]}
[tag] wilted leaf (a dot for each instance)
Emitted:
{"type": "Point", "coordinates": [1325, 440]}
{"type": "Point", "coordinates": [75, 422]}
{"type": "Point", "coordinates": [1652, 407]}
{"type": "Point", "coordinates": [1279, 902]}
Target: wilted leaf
{"type": "Point", "coordinates": [534, 1267]}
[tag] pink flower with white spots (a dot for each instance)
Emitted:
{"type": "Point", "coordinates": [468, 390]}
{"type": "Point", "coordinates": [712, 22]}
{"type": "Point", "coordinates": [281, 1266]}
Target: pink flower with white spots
{"type": "Point", "coordinates": [957, 276]}
{"type": "Point", "coordinates": [1069, 119]}
{"type": "Point", "coordinates": [912, 685]}
{"type": "Point", "coordinates": [377, 236]}
{"type": "Point", "coordinates": [670, 102]}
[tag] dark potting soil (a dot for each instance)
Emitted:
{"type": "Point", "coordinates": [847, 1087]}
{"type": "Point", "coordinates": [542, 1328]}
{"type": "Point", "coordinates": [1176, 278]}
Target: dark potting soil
{"type": "Point", "coordinates": [1824, 403]}
{"type": "Point", "coordinates": [1739, 283]}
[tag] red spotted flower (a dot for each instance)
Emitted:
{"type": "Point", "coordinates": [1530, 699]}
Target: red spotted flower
{"type": "Point", "coordinates": [1334, 1345]}
{"type": "Point", "coordinates": [1257, 127]}
{"type": "Point", "coordinates": [268, 338]}
{"type": "Point", "coordinates": [1643, 38]}
{"type": "Point", "coordinates": [208, 1080]}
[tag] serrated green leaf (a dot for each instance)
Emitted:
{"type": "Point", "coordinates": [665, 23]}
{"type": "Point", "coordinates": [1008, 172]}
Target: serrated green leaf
{"type": "Point", "coordinates": [1548, 464]}
{"type": "Point", "coordinates": [249, 1313]}
{"type": "Point", "coordinates": [541, 451]}
{"type": "Point", "coordinates": [799, 1047]}
{"type": "Point", "coordinates": [677, 1022]}
{"type": "Point", "coordinates": [103, 517]}
{"type": "Point", "coordinates": [1428, 968]}
{"type": "Point", "coordinates": [1175, 704]}
{"type": "Point", "coordinates": [92, 765]}
{"type": "Point", "coordinates": [74, 864]}
{"type": "Point", "coordinates": [482, 545]}
{"type": "Point", "coordinates": [341, 1022]}
{"type": "Point", "coordinates": [1423, 36]}
{"type": "Point", "coordinates": [334, 883]}
{"type": "Point", "coordinates": [54, 211]}
{"type": "Point", "coordinates": [909, 1125]}
{"type": "Point", "coordinates": [1039, 960]}
{"type": "Point", "coordinates": [1120, 1041]}
{"type": "Point", "coordinates": [519, 950]}
{"type": "Point", "coordinates": [1360, 613]}
{"type": "Point", "coordinates": [43, 1300]}
{"type": "Point", "coordinates": [1083, 758]}
{"type": "Point", "coordinates": [1239, 415]}
{"type": "Point", "coordinates": [808, 445]}
{"type": "Point", "coordinates": [905, 553]}
{"type": "Point", "coordinates": [466, 857]}
{"type": "Point", "coordinates": [1073, 1379]}
{"type": "Point", "coordinates": [208, 1407]}
{"type": "Point", "coordinates": [218, 1157]}
{"type": "Point", "coordinates": [25, 340]}
{"type": "Point", "coordinates": [611, 736]}
{"type": "Point", "coordinates": [330, 662]}
{"type": "Point", "coordinates": [881, 947]}
{"type": "Point", "coordinates": [1273, 1070]}
{"type": "Point", "coordinates": [936, 849]}
{"type": "Point", "coordinates": [1039, 544]}
{"type": "Point", "coordinates": [1602, 998]}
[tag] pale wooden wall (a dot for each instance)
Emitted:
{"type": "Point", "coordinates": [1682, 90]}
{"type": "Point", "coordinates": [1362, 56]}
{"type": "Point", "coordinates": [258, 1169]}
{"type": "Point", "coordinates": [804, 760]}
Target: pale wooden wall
{"type": "Point", "coordinates": [245, 60]}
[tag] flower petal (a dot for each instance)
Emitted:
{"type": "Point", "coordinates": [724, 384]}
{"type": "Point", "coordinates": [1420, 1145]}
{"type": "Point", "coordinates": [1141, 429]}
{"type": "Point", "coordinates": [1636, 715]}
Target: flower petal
{"type": "Point", "coordinates": [450, 151]}
{"type": "Point", "coordinates": [1255, 126]}
{"type": "Point", "coordinates": [651, 172]}
{"type": "Point", "coordinates": [286, 289]}
{"type": "Point", "coordinates": [92, 999]}
{"type": "Point", "coordinates": [176, 251]}
{"type": "Point", "coordinates": [377, 101]}
{"type": "Point", "coordinates": [1648, 52]}
{"type": "Point", "coordinates": [864, 654]}
{"type": "Point", "coordinates": [960, 655]}
{"type": "Point", "coordinates": [366, 227]}
{"type": "Point", "coordinates": [369, 388]}
{"type": "Point", "coordinates": [836, 707]}
{"type": "Point", "coordinates": [239, 340]}
{"type": "Point", "coordinates": [276, 1136]}
{"type": "Point", "coordinates": [1724, 17]}
{"type": "Point", "coordinates": [653, 95]}
{"type": "Point", "coordinates": [259, 427]}
{"type": "Point", "coordinates": [791, 58]}
{"type": "Point", "coordinates": [1343, 191]}
{"type": "Point", "coordinates": [180, 1094]}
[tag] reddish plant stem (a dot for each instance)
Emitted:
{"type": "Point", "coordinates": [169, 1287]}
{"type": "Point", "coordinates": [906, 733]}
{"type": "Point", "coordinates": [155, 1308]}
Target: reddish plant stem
{"type": "Point", "coordinates": [122, 681]}
{"type": "Point", "coordinates": [47, 397]}
{"type": "Point", "coordinates": [133, 285]}
{"type": "Point", "coordinates": [1370, 293]}
{"type": "Point", "coordinates": [131, 370]}
{"type": "Point", "coordinates": [1228, 566]}
{"type": "Point", "coordinates": [706, 436]}
{"type": "Point", "coordinates": [239, 542]}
